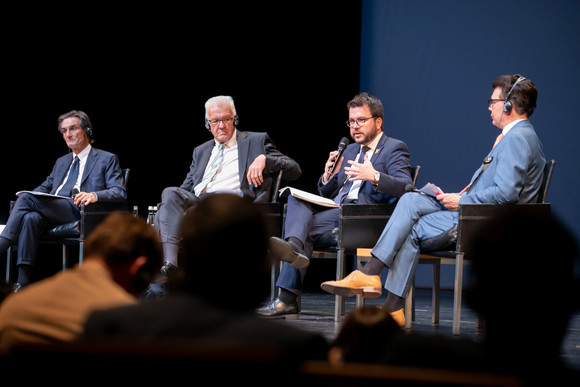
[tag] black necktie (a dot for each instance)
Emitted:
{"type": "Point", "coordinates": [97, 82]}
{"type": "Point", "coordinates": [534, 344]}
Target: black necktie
{"type": "Point", "coordinates": [72, 179]}
{"type": "Point", "coordinates": [348, 183]}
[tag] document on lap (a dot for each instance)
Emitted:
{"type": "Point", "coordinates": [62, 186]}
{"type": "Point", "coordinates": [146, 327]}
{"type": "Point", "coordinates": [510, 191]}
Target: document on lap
{"type": "Point", "coordinates": [41, 194]}
{"type": "Point", "coordinates": [312, 198]}
{"type": "Point", "coordinates": [430, 190]}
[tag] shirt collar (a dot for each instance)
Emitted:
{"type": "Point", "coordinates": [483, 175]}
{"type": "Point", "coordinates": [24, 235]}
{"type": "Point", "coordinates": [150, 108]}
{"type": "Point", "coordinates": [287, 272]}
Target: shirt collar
{"type": "Point", "coordinates": [508, 127]}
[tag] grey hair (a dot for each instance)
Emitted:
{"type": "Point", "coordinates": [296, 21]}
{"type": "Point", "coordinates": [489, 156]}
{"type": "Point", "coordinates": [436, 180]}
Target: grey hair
{"type": "Point", "coordinates": [220, 100]}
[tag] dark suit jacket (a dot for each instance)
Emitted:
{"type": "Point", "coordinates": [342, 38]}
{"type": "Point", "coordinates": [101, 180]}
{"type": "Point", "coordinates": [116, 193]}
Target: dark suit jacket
{"type": "Point", "coordinates": [102, 175]}
{"type": "Point", "coordinates": [250, 146]}
{"type": "Point", "coordinates": [391, 159]}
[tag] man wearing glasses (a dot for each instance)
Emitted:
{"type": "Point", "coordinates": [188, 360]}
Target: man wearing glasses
{"type": "Point", "coordinates": [512, 172]}
{"type": "Point", "coordinates": [237, 162]}
{"type": "Point", "coordinates": [375, 169]}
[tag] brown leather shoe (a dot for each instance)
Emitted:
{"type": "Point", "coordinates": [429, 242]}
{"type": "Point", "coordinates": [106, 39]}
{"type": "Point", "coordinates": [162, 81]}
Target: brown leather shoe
{"type": "Point", "coordinates": [399, 317]}
{"type": "Point", "coordinates": [369, 286]}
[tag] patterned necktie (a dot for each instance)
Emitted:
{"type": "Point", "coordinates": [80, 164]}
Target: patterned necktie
{"type": "Point", "coordinates": [198, 189]}
{"type": "Point", "coordinates": [72, 179]}
{"type": "Point", "coordinates": [348, 183]}
{"type": "Point", "coordinates": [497, 139]}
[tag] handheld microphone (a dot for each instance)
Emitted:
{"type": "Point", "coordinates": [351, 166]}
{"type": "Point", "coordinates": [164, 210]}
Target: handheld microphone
{"type": "Point", "coordinates": [74, 193]}
{"type": "Point", "coordinates": [341, 147]}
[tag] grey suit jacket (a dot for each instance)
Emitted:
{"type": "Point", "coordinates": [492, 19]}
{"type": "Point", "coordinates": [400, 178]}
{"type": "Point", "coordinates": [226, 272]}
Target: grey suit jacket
{"type": "Point", "coordinates": [102, 175]}
{"type": "Point", "coordinates": [250, 146]}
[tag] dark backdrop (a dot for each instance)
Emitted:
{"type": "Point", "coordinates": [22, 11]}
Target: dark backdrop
{"type": "Point", "coordinates": [432, 63]}
{"type": "Point", "coordinates": [143, 75]}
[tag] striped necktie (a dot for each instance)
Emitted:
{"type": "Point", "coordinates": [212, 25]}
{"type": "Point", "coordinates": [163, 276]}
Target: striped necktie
{"type": "Point", "coordinates": [348, 183]}
{"type": "Point", "coordinates": [215, 165]}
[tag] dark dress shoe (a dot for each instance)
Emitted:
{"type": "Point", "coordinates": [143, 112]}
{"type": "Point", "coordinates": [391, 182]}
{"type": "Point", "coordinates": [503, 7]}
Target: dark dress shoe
{"type": "Point", "coordinates": [154, 291]}
{"type": "Point", "coordinates": [287, 252]}
{"type": "Point", "coordinates": [278, 309]}
{"type": "Point", "coordinates": [168, 268]}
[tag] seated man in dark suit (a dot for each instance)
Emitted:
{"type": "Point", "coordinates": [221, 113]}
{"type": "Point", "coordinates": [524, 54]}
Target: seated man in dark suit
{"type": "Point", "coordinates": [94, 175]}
{"type": "Point", "coordinates": [233, 161]}
{"type": "Point", "coordinates": [232, 233]}
{"type": "Point", "coordinates": [380, 175]}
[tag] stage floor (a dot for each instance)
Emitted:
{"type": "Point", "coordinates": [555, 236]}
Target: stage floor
{"type": "Point", "coordinates": [318, 315]}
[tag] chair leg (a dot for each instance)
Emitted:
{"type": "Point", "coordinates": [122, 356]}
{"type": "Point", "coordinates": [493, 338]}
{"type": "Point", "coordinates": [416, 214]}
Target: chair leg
{"type": "Point", "coordinates": [339, 300]}
{"type": "Point", "coordinates": [8, 263]}
{"type": "Point", "coordinates": [64, 257]}
{"type": "Point", "coordinates": [409, 307]}
{"type": "Point", "coordinates": [436, 292]}
{"type": "Point", "coordinates": [457, 293]}
{"type": "Point", "coordinates": [81, 251]}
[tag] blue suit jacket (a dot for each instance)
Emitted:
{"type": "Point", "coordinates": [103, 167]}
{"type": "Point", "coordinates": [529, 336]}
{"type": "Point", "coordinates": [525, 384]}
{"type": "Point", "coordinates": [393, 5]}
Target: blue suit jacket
{"type": "Point", "coordinates": [102, 175]}
{"type": "Point", "coordinates": [515, 172]}
{"type": "Point", "coordinates": [393, 161]}
{"type": "Point", "coordinates": [250, 146]}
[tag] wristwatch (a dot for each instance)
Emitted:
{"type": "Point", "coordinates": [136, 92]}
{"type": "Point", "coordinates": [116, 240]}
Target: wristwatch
{"type": "Point", "coordinates": [376, 178]}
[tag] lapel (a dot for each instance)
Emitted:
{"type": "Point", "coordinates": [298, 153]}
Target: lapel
{"type": "Point", "coordinates": [243, 149]}
{"type": "Point", "coordinates": [62, 170]}
{"type": "Point", "coordinates": [90, 164]}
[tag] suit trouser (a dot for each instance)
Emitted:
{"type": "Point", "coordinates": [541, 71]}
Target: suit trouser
{"type": "Point", "coordinates": [174, 204]}
{"type": "Point", "coordinates": [306, 222]}
{"type": "Point", "coordinates": [31, 215]}
{"type": "Point", "coordinates": [416, 217]}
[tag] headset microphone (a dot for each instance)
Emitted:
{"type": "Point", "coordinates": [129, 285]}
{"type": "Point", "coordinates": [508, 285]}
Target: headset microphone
{"type": "Point", "coordinates": [507, 104]}
{"type": "Point", "coordinates": [341, 147]}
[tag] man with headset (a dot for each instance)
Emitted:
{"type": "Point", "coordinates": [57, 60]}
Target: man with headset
{"type": "Point", "coordinates": [237, 162]}
{"type": "Point", "coordinates": [84, 176]}
{"type": "Point", "coordinates": [511, 173]}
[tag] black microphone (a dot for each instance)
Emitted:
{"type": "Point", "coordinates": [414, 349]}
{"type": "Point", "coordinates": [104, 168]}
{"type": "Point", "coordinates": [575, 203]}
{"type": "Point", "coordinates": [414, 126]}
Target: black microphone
{"type": "Point", "coordinates": [74, 193]}
{"type": "Point", "coordinates": [341, 147]}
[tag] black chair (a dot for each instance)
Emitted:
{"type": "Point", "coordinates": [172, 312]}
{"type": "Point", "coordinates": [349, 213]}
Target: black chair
{"type": "Point", "coordinates": [75, 233]}
{"type": "Point", "coordinates": [358, 225]}
{"type": "Point", "coordinates": [471, 218]}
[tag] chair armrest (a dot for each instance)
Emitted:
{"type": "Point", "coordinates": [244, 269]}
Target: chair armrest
{"type": "Point", "coordinates": [361, 225]}
{"type": "Point", "coordinates": [95, 213]}
{"type": "Point", "coordinates": [474, 216]}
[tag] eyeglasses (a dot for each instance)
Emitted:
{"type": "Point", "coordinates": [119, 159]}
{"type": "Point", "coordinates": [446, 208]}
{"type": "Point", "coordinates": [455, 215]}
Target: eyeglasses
{"type": "Point", "coordinates": [224, 120]}
{"type": "Point", "coordinates": [358, 121]}
{"type": "Point", "coordinates": [493, 100]}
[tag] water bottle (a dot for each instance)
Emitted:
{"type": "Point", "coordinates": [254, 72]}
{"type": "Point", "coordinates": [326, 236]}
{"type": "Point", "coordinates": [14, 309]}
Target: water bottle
{"type": "Point", "coordinates": [150, 215]}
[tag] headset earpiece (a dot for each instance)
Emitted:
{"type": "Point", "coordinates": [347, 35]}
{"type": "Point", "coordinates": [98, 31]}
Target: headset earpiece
{"type": "Point", "coordinates": [236, 121]}
{"type": "Point", "coordinates": [507, 104]}
{"type": "Point", "coordinates": [207, 124]}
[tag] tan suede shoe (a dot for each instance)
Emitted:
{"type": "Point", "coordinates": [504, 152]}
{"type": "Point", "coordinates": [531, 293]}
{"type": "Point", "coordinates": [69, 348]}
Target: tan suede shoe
{"type": "Point", "coordinates": [399, 317]}
{"type": "Point", "coordinates": [355, 283]}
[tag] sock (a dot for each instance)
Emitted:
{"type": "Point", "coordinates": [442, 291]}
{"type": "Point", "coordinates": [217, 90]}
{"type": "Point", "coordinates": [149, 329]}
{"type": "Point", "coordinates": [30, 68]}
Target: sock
{"type": "Point", "coordinates": [24, 274]}
{"type": "Point", "coordinates": [373, 267]}
{"type": "Point", "coordinates": [287, 297]}
{"type": "Point", "coordinates": [393, 302]}
{"type": "Point", "coordinates": [297, 242]}
{"type": "Point", "coordinates": [4, 245]}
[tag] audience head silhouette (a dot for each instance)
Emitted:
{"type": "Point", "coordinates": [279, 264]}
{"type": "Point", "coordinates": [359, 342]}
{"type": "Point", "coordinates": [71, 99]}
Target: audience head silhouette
{"type": "Point", "coordinates": [225, 234]}
{"type": "Point", "coordinates": [525, 284]}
